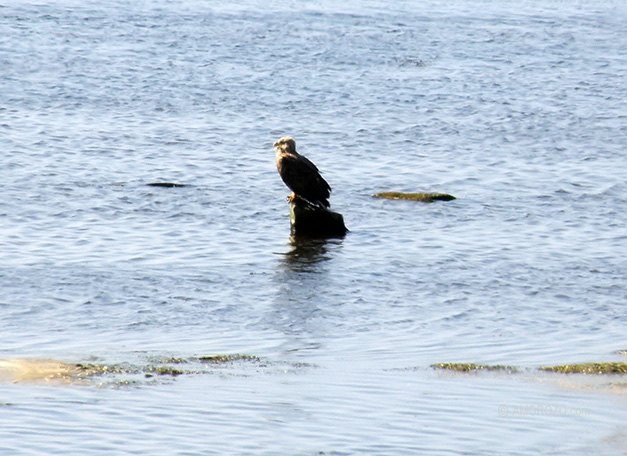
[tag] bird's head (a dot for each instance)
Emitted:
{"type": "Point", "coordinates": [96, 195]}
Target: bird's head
{"type": "Point", "coordinates": [286, 144]}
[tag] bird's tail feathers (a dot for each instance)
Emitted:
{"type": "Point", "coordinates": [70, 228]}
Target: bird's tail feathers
{"type": "Point", "coordinates": [323, 204]}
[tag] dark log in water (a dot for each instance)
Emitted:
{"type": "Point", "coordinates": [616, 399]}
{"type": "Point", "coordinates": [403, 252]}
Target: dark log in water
{"type": "Point", "coordinates": [166, 184]}
{"type": "Point", "coordinates": [314, 221]}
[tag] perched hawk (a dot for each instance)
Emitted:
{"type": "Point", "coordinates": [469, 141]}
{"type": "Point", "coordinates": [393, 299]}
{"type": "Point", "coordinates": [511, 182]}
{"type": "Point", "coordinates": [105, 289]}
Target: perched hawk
{"type": "Point", "coordinates": [301, 175]}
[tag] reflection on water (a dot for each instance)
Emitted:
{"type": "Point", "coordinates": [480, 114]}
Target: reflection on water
{"type": "Point", "coordinates": [307, 253]}
{"type": "Point", "coordinates": [303, 280]}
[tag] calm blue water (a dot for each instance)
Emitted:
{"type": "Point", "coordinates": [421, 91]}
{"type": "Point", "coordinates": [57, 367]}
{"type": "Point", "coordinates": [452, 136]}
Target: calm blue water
{"type": "Point", "coordinates": [516, 109]}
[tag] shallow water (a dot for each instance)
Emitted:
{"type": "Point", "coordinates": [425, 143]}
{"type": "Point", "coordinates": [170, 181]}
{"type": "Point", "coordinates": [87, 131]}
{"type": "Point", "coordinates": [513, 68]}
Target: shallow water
{"type": "Point", "coordinates": [517, 110]}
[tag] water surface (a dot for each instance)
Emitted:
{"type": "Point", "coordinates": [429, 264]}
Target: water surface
{"type": "Point", "coordinates": [517, 110]}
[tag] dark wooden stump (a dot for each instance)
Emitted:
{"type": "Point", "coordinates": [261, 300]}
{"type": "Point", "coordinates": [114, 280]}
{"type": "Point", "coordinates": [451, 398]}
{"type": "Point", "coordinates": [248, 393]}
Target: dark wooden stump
{"type": "Point", "coordinates": [314, 221]}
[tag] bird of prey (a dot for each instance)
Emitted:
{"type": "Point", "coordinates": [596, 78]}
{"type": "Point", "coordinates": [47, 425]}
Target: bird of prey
{"type": "Point", "coordinates": [300, 174]}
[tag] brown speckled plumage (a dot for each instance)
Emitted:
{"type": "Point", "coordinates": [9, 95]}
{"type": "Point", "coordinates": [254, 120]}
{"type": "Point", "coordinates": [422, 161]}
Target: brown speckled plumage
{"type": "Point", "coordinates": [300, 174]}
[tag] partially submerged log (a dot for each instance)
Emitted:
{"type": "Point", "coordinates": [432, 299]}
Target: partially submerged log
{"type": "Point", "coordinates": [422, 197]}
{"type": "Point", "coordinates": [309, 220]}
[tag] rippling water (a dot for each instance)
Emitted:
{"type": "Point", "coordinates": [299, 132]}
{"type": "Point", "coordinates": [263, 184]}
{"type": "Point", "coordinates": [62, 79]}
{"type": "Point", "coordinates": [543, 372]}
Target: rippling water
{"type": "Point", "coordinates": [517, 110]}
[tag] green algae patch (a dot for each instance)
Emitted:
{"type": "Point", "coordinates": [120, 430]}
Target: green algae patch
{"type": "Point", "coordinates": [93, 369]}
{"type": "Point", "coordinates": [223, 359]}
{"type": "Point", "coordinates": [421, 197]}
{"type": "Point", "coordinates": [156, 368]}
{"type": "Point", "coordinates": [471, 367]}
{"type": "Point", "coordinates": [164, 370]}
{"type": "Point", "coordinates": [608, 368]}
{"type": "Point", "coordinates": [602, 368]}
{"type": "Point", "coordinates": [170, 361]}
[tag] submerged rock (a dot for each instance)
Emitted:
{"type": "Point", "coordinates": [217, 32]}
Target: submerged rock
{"type": "Point", "coordinates": [39, 370]}
{"type": "Point", "coordinates": [422, 197]}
